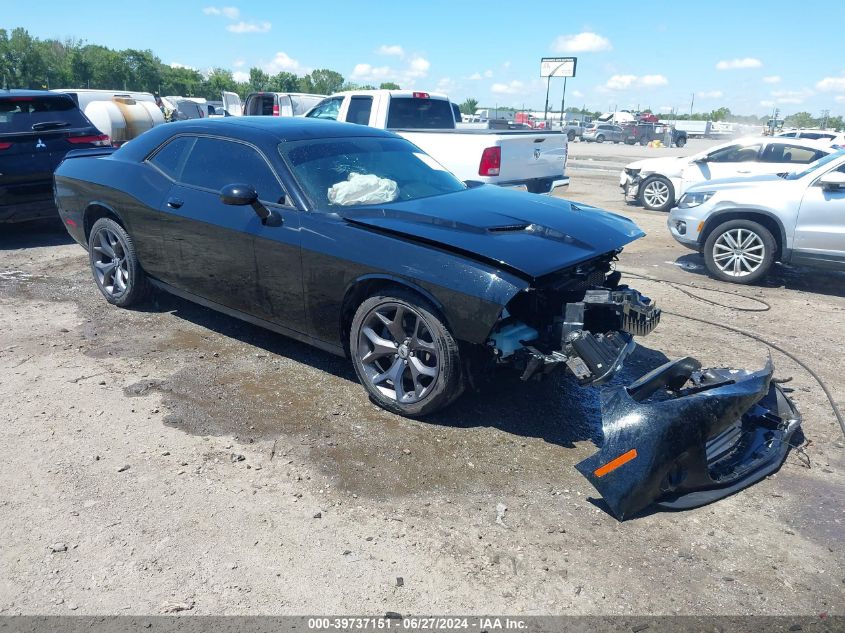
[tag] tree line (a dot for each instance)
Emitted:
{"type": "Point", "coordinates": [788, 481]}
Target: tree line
{"type": "Point", "coordinates": [30, 62]}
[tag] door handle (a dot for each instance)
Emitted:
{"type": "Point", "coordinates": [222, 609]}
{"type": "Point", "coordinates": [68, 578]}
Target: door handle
{"type": "Point", "coordinates": [174, 203]}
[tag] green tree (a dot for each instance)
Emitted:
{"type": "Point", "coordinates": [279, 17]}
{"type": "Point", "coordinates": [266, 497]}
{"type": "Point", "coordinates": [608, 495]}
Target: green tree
{"type": "Point", "coordinates": [469, 106]}
{"type": "Point", "coordinates": [143, 70]}
{"type": "Point", "coordinates": [800, 119]}
{"type": "Point", "coordinates": [284, 82]}
{"type": "Point", "coordinates": [258, 79]}
{"type": "Point", "coordinates": [321, 81]}
{"type": "Point", "coordinates": [218, 81]}
{"type": "Point", "coordinates": [389, 85]}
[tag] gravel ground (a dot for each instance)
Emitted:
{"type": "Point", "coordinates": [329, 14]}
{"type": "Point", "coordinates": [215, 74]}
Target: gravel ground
{"type": "Point", "coordinates": [173, 459]}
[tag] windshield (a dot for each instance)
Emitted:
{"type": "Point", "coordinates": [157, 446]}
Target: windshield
{"type": "Point", "coordinates": [365, 170]}
{"type": "Point", "coordinates": [813, 166]}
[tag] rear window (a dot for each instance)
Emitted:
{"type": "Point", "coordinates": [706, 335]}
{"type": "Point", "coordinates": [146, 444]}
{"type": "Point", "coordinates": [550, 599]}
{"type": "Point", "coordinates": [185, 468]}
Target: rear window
{"type": "Point", "coordinates": [420, 114]}
{"type": "Point", "coordinates": [37, 114]}
{"type": "Point", "coordinates": [259, 105]}
{"type": "Point", "coordinates": [302, 103]}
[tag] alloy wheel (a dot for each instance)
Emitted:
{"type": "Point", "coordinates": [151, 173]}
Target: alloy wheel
{"type": "Point", "coordinates": [656, 193]}
{"type": "Point", "coordinates": [397, 353]}
{"type": "Point", "coordinates": [110, 262]}
{"type": "Point", "coordinates": [738, 252]}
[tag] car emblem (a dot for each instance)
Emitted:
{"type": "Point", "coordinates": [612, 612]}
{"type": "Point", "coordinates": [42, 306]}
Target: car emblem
{"type": "Point", "coordinates": [40, 144]}
{"type": "Point", "coordinates": [536, 154]}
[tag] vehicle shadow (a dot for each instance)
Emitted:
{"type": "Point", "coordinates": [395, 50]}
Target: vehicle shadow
{"type": "Point", "coordinates": [33, 235]}
{"type": "Point", "coordinates": [248, 333]}
{"type": "Point", "coordinates": [557, 409]}
{"type": "Point", "coordinates": [818, 281]}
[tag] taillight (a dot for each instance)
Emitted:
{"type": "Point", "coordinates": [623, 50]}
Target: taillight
{"type": "Point", "coordinates": [100, 140]}
{"type": "Point", "coordinates": [420, 95]}
{"type": "Point", "coordinates": [491, 161]}
{"type": "Point", "coordinates": [5, 145]}
{"type": "Point", "coordinates": [275, 109]}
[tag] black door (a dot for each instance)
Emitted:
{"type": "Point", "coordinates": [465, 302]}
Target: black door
{"type": "Point", "coordinates": [210, 247]}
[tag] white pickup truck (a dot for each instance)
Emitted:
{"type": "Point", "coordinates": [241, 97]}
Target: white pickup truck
{"type": "Point", "coordinates": [529, 159]}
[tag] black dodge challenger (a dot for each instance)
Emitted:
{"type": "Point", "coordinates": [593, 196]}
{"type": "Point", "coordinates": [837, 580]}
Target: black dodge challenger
{"type": "Point", "coordinates": [354, 240]}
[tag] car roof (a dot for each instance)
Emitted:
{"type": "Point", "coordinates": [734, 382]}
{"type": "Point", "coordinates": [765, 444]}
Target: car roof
{"type": "Point", "coordinates": [746, 140]}
{"type": "Point", "coordinates": [32, 93]}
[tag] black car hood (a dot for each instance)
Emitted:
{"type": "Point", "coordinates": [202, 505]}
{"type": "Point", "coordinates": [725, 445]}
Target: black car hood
{"type": "Point", "coordinates": [525, 232]}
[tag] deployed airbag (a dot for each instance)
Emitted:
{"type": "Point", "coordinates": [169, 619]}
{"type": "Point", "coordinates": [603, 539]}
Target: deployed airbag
{"type": "Point", "coordinates": [363, 189]}
{"type": "Point", "coordinates": [682, 437]}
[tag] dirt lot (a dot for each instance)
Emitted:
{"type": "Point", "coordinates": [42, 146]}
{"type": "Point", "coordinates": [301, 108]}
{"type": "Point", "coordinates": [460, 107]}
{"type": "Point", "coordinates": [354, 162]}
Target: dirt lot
{"type": "Point", "coordinates": [171, 457]}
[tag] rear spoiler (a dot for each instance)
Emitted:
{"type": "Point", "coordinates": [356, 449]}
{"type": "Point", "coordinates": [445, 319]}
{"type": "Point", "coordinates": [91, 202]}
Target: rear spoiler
{"type": "Point", "coordinates": [90, 152]}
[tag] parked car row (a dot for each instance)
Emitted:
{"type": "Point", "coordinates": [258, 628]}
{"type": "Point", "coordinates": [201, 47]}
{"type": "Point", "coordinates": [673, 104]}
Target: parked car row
{"type": "Point", "coordinates": [633, 133]}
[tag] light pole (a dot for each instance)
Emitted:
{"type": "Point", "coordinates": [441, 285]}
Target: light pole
{"type": "Point", "coordinates": [548, 84]}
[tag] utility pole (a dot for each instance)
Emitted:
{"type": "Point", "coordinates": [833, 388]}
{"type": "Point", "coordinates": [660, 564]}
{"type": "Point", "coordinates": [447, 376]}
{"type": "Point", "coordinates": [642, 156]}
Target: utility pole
{"type": "Point", "coordinates": [825, 114]}
{"type": "Point", "coordinates": [562, 101]}
{"type": "Point", "coordinates": [691, 103]}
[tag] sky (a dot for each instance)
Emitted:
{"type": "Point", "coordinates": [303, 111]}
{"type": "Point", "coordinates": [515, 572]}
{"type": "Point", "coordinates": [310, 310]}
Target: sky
{"type": "Point", "coordinates": [746, 56]}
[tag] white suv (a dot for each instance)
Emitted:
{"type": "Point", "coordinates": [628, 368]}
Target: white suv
{"type": "Point", "coordinates": [743, 225]}
{"type": "Point", "coordinates": [658, 183]}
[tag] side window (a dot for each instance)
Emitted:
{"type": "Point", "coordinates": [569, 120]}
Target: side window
{"type": "Point", "coordinates": [326, 109]}
{"type": "Point", "coordinates": [171, 158]}
{"type": "Point", "coordinates": [784, 153]}
{"type": "Point", "coordinates": [735, 154]}
{"type": "Point", "coordinates": [214, 163]}
{"type": "Point", "coordinates": [359, 110]}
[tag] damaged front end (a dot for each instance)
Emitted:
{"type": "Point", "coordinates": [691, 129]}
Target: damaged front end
{"type": "Point", "coordinates": [581, 318]}
{"type": "Point", "coordinates": [678, 437]}
{"type": "Point", "coordinates": [682, 437]}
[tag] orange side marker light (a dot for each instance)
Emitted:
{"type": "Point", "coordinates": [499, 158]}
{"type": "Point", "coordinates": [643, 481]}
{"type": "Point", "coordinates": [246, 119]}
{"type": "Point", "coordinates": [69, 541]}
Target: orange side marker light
{"type": "Point", "coordinates": [613, 464]}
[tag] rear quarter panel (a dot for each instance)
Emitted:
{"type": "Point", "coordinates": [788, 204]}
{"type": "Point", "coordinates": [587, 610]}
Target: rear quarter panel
{"type": "Point", "coordinates": [131, 191]}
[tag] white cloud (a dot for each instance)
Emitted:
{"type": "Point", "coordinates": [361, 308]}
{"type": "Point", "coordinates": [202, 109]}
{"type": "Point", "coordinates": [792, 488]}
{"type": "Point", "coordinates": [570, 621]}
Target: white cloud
{"type": "Point", "coordinates": [239, 63]}
{"type": "Point", "coordinates": [839, 98]}
{"type": "Point", "coordinates": [392, 49]}
{"type": "Point", "coordinates": [375, 74]}
{"type": "Point", "coordinates": [620, 82]}
{"type": "Point", "coordinates": [771, 79]}
{"type": "Point", "coordinates": [249, 27]}
{"type": "Point", "coordinates": [653, 80]}
{"type": "Point", "coordinates": [419, 67]}
{"type": "Point", "coordinates": [487, 74]}
{"type": "Point", "coordinates": [740, 62]}
{"type": "Point", "coordinates": [665, 109]}
{"type": "Point", "coordinates": [240, 76]}
{"type": "Point", "coordinates": [178, 65]}
{"type": "Point", "coordinates": [446, 84]}
{"type": "Point", "coordinates": [626, 82]}
{"type": "Point", "coordinates": [512, 88]}
{"type": "Point", "coordinates": [586, 42]}
{"type": "Point", "coordinates": [710, 94]}
{"type": "Point", "coordinates": [233, 13]}
{"type": "Point", "coordinates": [832, 84]}
{"type": "Point", "coordinates": [767, 103]}
{"type": "Point", "coordinates": [791, 97]}
{"type": "Point", "coordinates": [283, 62]}
{"type": "Point", "coordinates": [577, 94]}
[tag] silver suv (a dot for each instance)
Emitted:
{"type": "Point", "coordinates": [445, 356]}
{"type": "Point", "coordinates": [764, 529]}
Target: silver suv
{"type": "Point", "coordinates": [743, 225]}
{"type": "Point", "coordinates": [601, 132]}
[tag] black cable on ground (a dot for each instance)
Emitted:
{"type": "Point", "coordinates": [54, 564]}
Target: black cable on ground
{"type": "Point", "coordinates": [750, 335]}
{"type": "Point", "coordinates": [677, 286]}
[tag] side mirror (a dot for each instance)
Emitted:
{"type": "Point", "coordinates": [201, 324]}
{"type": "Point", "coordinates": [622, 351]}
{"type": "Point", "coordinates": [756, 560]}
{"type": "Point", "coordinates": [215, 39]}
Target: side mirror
{"type": "Point", "coordinates": [238, 195]}
{"type": "Point", "coordinates": [833, 181]}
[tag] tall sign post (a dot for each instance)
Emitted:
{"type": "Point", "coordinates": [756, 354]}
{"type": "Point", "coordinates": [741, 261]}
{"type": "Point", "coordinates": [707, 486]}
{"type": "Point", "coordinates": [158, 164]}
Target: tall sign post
{"type": "Point", "coordinates": [556, 67]}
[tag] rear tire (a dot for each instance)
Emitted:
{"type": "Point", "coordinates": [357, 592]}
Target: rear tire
{"type": "Point", "coordinates": [739, 251]}
{"type": "Point", "coordinates": [570, 136]}
{"type": "Point", "coordinates": [680, 141]}
{"type": "Point", "coordinates": [404, 354]}
{"type": "Point", "coordinates": [600, 138]}
{"type": "Point", "coordinates": [114, 264]}
{"type": "Point", "coordinates": [657, 194]}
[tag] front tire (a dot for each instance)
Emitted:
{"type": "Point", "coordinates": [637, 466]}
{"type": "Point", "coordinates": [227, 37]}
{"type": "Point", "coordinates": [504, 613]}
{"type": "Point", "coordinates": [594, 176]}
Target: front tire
{"type": "Point", "coordinates": [680, 141]}
{"type": "Point", "coordinates": [600, 138]}
{"type": "Point", "coordinates": [570, 136]}
{"type": "Point", "coordinates": [739, 251]}
{"type": "Point", "coordinates": [657, 194]}
{"type": "Point", "coordinates": [114, 264]}
{"type": "Point", "coordinates": [404, 354]}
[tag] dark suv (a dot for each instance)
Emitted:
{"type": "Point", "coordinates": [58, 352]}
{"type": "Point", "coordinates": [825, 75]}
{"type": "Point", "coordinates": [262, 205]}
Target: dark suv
{"type": "Point", "coordinates": [37, 129]}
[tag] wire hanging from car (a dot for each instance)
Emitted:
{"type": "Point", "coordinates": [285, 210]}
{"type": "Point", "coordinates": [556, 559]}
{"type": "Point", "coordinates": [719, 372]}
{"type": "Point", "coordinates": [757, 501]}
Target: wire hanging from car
{"type": "Point", "coordinates": [751, 335]}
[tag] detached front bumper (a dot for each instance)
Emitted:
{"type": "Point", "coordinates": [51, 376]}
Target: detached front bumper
{"type": "Point", "coordinates": [682, 437]}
